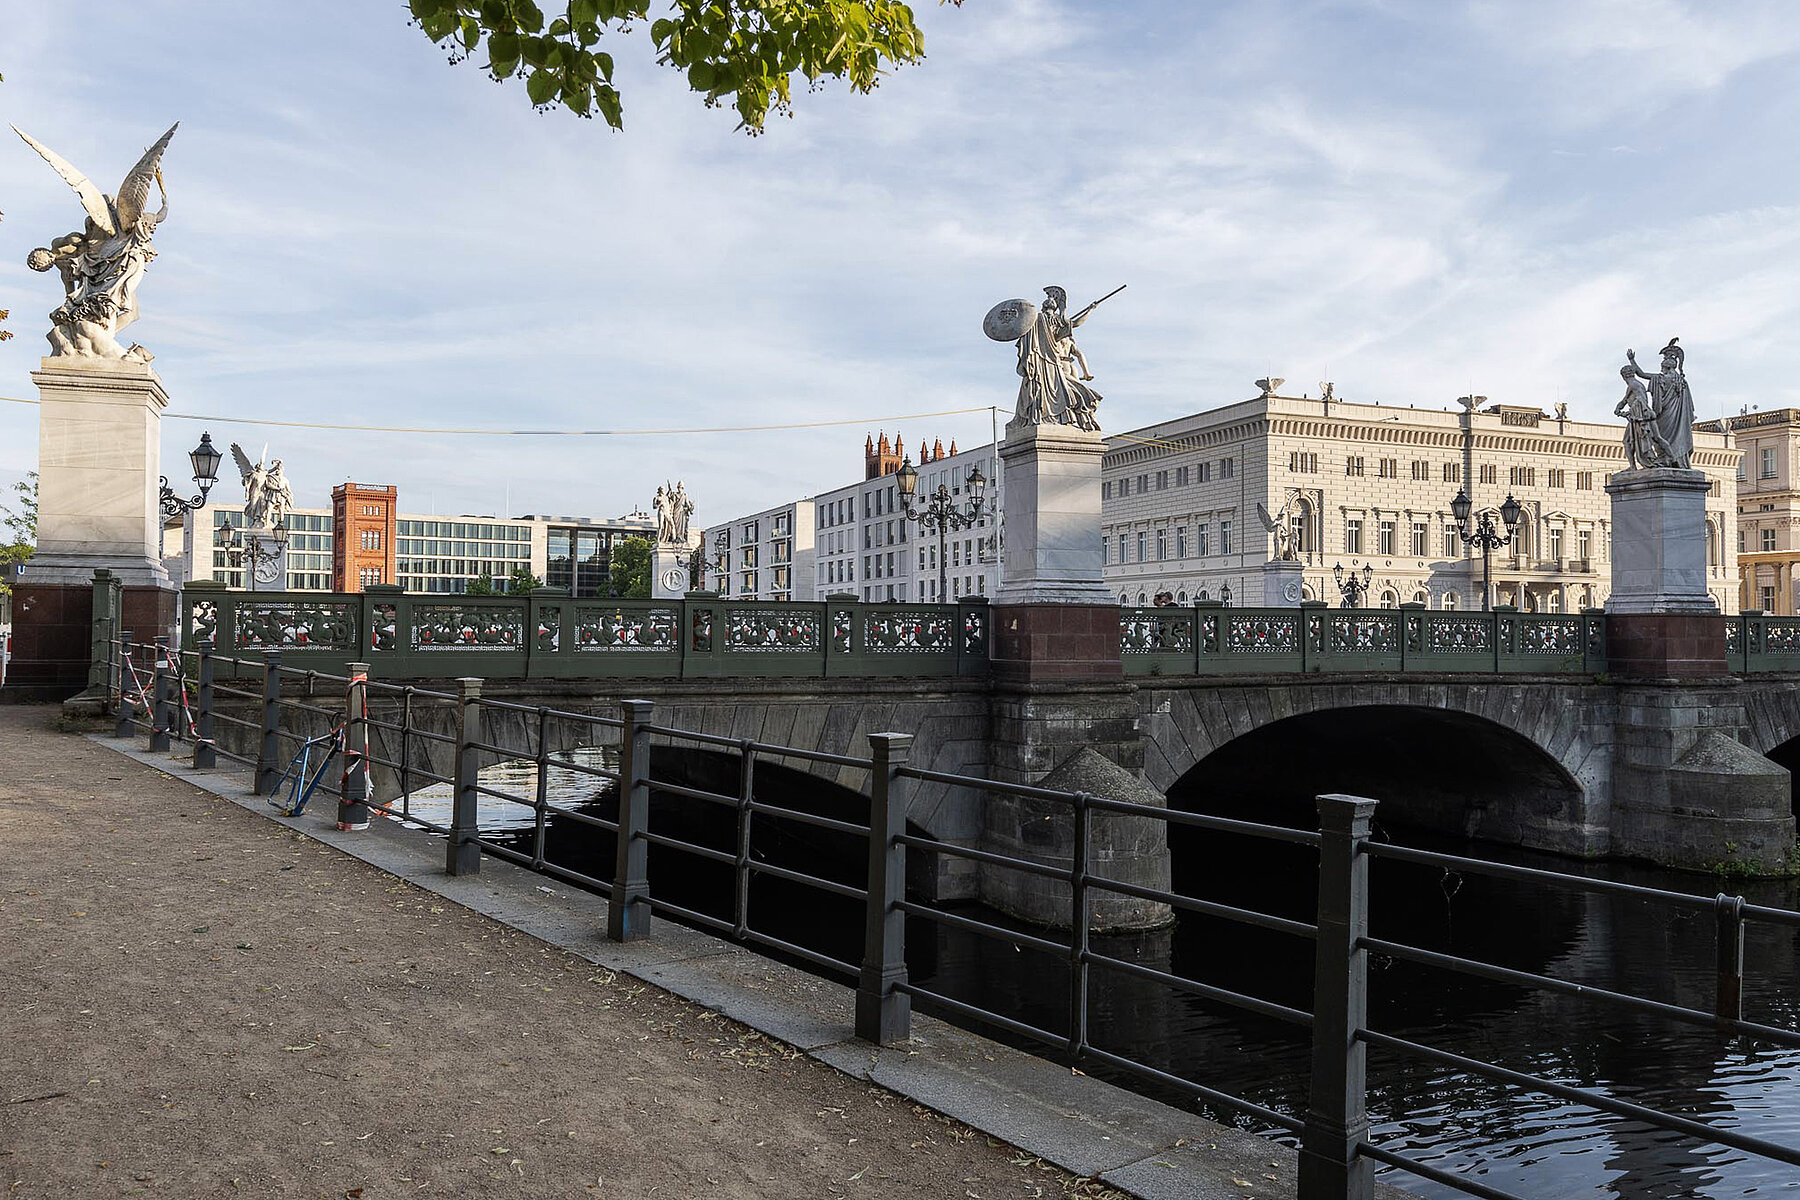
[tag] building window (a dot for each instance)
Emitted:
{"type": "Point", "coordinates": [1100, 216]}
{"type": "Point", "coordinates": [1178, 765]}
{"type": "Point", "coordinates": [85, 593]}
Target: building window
{"type": "Point", "coordinates": [1768, 539]}
{"type": "Point", "coordinates": [1520, 476]}
{"type": "Point", "coordinates": [1224, 537]}
{"type": "Point", "coordinates": [1353, 465]}
{"type": "Point", "coordinates": [1181, 541]}
{"type": "Point", "coordinates": [1180, 476]}
{"type": "Point", "coordinates": [1143, 484]}
{"type": "Point", "coordinates": [1388, 468]}
{"type": "Point", "coordinates": [1122, 557]}
{"type": "Point", "coordinates": [1740, 541]}
{"type": "Point", "coordinates": [1420, 536]}
{"type": "Point", "coordinates": [1162, 545]}
{"type": "Point", "coordinates": [1556, 542]}
{"type": "Point", "coordinates": [372, 575]}
{"type": "Point", "coordinates": [1768, 463]}
{"type": "Point", "coordinates": [1297, 532]}
{"type": "Point", "coordinates": [1584, 543]}
{"type": "Point", "coordinates": [1558, 477]}
{"type": "Point", "coordinates": [1106, 490]}
{"type": "Point", "coordinates": [1200, 539]}
{"type": "Point", "coordinates": [371, 539]}
{"type": "Point", "coordinates": [1384, 536]}
{"type": "Point", "coordinates": [1452, 472]}
{"type": "Point", "coordinates": [1584, 481]}
{"type": "Point", "coordinates": [1421, 471]}
{"type": "Point", "coordinates": [1352, 535]}
{"type": "Point", "coordinates": [1162, 481]}
{"type": "Point", "coordinates": [1228, 467]}
{"type": "Point", "coordinates": [1301, 463]}
{"type": "Point", "coordinates": [1124, 487]}
{"type": "Point", "coordinates": [1490, 473]}
{"type": "Point", "coordinates": [1203, 473]}
{"type": "Point", "coordinates": [1142, 541]}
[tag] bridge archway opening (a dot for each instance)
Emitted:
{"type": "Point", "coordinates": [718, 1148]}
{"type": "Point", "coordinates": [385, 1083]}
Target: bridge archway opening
{"type": "Point", "coordinates": [1435, 769]}
{"type": "Point", "coordinates": [1441, 777]}
{"type": "Point", "coordinates": [1787, 754]}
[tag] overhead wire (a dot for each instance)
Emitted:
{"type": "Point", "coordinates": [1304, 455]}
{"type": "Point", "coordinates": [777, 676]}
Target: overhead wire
{"type": "Point", "coordinates": [949, 412]}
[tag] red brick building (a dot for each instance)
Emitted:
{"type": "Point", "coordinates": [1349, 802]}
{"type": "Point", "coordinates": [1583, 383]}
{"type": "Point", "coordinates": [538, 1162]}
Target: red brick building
{"type": "Point", "coordinates": [362, 542]}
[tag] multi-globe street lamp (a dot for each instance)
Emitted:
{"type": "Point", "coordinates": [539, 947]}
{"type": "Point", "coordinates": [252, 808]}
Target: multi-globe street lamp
{"type": "Point", "coordinates": [206, 473]}
{"type": "Point", "coordinates": [941, 513]}
{"type": "Point", "coordinates": [263, 563]}
{"type": "Point", "coordinates": [1485, 534]}
{"type": "Point", "coordinates": [1354, 584]}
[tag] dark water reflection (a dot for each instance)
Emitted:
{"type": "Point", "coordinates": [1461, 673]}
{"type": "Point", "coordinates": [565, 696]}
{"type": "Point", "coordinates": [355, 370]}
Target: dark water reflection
{"type": "Point", "coordinates": [1527, 1144]}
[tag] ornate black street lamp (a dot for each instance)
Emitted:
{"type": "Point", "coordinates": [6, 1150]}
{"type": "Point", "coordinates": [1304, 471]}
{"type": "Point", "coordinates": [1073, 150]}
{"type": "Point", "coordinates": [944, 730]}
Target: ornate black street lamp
{"type": "Point", "coordinates": [1485, 535]}
{"type": "Point", "coordinates": [941, 513]}
{"type": "Point", "coordinates": [1353, 584]}
{"type": "Point", "coordinates": [206, 473]}
{"type": "Point", "coordinates": [1225, 594]}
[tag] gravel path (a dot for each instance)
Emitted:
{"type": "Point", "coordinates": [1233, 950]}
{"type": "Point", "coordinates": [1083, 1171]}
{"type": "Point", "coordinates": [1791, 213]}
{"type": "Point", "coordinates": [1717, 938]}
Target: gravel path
{"type": "Point", "coordinates": [196, 1002]}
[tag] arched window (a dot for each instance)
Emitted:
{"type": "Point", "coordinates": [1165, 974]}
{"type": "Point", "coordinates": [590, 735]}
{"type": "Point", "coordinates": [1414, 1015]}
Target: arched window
{"type": "Point", "coordinates": [1201, 594]}
{"type": "Point", "coordinates": [1124, 599]}
{"type": "Point", "coordinates": [1553, 602]}
{"type": "Point", "coordinates": [1421, 597]}
{"type": "Point", "coordinates": [1389, 599]}
{"type": "Point", "coordinates": [1143, 599]}
{"type": "Point", "coordinates": [1307, 593]}
{"type": "Point", "coordinates": [1449, 602]}
{"type": "Point", "coordinates": [1300, 522]}
{"type": "Point", "coordinates": [1181, 596]}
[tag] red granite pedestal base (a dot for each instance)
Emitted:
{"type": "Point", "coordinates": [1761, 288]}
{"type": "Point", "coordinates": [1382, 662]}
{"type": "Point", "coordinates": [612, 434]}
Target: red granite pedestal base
{"type": "Point", "coordinates": [53, 631]}
{"type": "Point", "coordinates": [1056, 643]}
{"type": "Point", "coordinates": [1665, 645]}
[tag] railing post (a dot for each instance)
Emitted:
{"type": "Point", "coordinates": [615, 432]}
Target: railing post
{"type": "Point", "coordinates": [628, 911]}
{"type": "Point", "coordinates": [883, 1011]}
{"type": "Point", "coordinates": [462, 854]}
{"type": "Point", "coordinates": [205, 758]}
{"type": "Point", "coordinates": [1337, 1116]}
{"type": "Point", "coordinates": [159, 701]}
{"type": "Point", "coordinates": [1728, 1001]}
{"type": "Point", "coordinates": [353, 787]}
{"type": "Point", "coordinates": [126, 702]}
{"type": "Point", "coordinates": [268, 749]}
{"type": "Point", "coordinates": [1081, 917]}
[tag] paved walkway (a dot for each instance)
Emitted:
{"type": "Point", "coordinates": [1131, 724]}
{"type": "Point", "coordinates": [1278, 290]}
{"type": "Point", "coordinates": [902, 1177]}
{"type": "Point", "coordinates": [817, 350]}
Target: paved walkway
{"type": "Point", "coordinates": [197, 999]}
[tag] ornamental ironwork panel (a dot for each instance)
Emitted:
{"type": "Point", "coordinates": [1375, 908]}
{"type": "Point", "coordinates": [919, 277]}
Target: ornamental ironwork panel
{"type": "Point", "coordinates": [1147, 632]}
{"type": "Point", "coordinates": [385, 619]}
{"type": "Point", "coordinates": [1262, 635]}
{"type": "Point", "coordinates": [203, 622]}
{"type": "Point", "coordinates": [1551, 636]}
{"type": "Point", "coordinates": [1780, 636]}
{"type": "Point", "coordinates": [772, 631]}
{"type": "Point", "coordinates": [1733, 642]}
{"type": "Point", "coordinates": [974, 629]}
{"type": "Point", "coordinates": [909, 630]}
{"type": "Point", "coordinates": [466, 627]}
{"type": "Point", "coordinates": [1365, 633]}
{"type": "Point", "coordinates": [1459, 635]}
{"type": "Point", "coordinates": [641, 631]}
{"type": "Point", "coordinates": [703, 630]}
{"type": "Point", "coordinates": [548, 633]}
{"type": "Point", "coordinates": [843, 629]}
{"type": "Point", "coordinates": [321, 625]}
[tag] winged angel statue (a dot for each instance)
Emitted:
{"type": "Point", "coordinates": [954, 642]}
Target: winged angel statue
{"type": "Point", "coordinates": [1278, 523]}
{"type": "Point", "coordinates": [102, 264]}
{"type": "Point", "coordinates": [267, 496]}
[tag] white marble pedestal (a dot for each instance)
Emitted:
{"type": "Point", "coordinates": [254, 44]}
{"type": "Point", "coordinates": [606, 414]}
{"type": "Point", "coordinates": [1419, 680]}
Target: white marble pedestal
{"type": "Point", "coordinates": [1053, 552]}
{"type": "Point", "coordinates": [1282, 586]}
{"type": "Point", "coordinates": [1659, 542]}
{"type": "Point", "coordinates": [265, 561]}
{"type": "Point", "coordinates": [99, 442]}
{"type": "Point", "coordinates": [669, 571]}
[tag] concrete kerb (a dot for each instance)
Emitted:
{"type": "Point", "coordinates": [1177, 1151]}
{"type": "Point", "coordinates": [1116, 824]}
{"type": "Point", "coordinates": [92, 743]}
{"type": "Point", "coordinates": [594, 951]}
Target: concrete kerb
{"type": "Point", "coordinates": [1083, 1125]}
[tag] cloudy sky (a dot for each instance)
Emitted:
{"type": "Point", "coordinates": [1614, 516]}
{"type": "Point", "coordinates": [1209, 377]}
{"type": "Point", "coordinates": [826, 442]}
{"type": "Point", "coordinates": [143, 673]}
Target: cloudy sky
{"type": "Point", "coordinates": [1412, 198]}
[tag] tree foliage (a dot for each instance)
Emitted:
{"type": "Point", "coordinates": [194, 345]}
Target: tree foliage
{"type": "Point", "coordinates": [631, 569]}
{"type": "Point", "coordinates": [481, 585]}
{"type": "Point", "coordinates": [20, 523]}
{"type": "Point", "coordinates": [745, 53]}
{"type": "Point", "coordinates": [522, 582]}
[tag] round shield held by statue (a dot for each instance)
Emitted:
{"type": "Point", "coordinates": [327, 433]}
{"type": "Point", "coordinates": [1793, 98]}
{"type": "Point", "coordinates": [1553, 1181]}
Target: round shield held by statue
{"type": "Point", "coordinates": [1009, 320]}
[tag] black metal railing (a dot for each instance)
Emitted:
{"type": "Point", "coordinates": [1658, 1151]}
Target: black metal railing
{"type": "Point", "coordinates": [1337, 1156]}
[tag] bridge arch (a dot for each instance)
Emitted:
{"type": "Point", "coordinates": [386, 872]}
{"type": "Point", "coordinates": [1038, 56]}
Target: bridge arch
{"type": "Point", "coordinates": [1501, 761]}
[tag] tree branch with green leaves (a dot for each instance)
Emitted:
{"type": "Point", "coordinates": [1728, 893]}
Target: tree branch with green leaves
{"type": "Point", "coordinates": [748, 54]}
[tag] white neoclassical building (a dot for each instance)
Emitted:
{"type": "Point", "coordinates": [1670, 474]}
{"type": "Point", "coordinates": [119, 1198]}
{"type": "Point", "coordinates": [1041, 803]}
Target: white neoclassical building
{"type": "Point", "coordinates": [1369, 486]}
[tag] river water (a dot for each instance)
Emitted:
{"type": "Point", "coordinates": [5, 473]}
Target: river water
{"type": "Point", "coordinates": [1527, 1144]}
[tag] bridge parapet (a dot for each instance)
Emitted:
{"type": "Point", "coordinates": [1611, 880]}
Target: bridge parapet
{"type": "Point", "coordinates": [1210, 639]}
{"type": "Point", "coordinates": [558, 637]}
